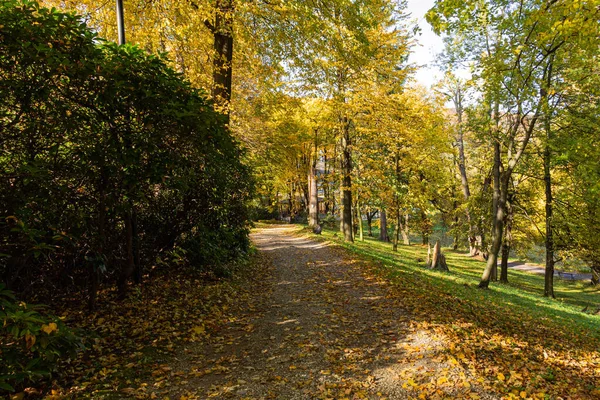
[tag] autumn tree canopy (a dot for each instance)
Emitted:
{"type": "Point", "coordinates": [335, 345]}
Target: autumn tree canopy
{"type": "Point", "coordinates": [120, 160]}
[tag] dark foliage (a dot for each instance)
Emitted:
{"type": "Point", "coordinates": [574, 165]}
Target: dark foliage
{"type": "Point", "coordinates": [109, 161]}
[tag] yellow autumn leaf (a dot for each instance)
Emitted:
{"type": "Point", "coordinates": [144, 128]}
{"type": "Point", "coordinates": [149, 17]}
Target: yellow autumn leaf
{"type": "Point", "coordinates": [198, 330]}
{"type": "Point", "coordinates": [441, 380]}
{"type": "Point", "coordinates": [523, 394]}
{"type": "Point", "coordinates": [501, 377]}
{"type": "Point", "coordinates": [51, 327]}
{"type": "Point", "coordinates": [29, 340]}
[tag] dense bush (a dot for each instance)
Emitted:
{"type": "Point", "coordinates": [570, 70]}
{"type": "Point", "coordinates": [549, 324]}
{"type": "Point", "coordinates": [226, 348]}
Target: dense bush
{"type": "Point", "coordinates": [30, 342]}
{"type": "Point", "coordinates": [109, 160]}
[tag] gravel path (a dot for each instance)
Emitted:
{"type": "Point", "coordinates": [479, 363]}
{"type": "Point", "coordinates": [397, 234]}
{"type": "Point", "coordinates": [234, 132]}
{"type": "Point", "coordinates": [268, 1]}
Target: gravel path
{"type": "Point", "coordinates": [321, 327]}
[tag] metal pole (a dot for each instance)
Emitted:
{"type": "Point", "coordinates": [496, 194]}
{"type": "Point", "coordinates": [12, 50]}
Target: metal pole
{"type": "Point", "coordinates": [120, 23]}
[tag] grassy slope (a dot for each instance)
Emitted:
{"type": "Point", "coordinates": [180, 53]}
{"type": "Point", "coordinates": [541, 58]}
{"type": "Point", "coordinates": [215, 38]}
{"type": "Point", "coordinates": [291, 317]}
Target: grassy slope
{"type": "Point", "coordinates": [522, 344]}
{"type": "Point", "coordinates": [524, 291]}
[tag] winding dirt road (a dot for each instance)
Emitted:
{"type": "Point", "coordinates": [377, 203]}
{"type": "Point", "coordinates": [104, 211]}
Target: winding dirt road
{"type": "Point", "coordinates": [322, 327]}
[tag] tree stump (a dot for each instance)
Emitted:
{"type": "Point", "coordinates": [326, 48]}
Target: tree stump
{"type": "Point", "coordinates": [317, 229]}
{"type": "Point", "coordinates": [438, 260]}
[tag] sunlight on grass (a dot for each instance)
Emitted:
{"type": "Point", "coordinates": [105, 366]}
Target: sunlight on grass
{"type": "Point", "coordinates": [514, 341]}
{"type": "Point", "coordinates": [523, 294]}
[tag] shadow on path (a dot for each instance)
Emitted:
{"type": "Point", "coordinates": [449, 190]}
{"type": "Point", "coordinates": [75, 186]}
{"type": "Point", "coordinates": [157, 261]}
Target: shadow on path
{"type": "Point", "coordinates": [321, 327]}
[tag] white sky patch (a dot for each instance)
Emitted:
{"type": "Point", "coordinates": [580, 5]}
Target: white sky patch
{"type": "Point", "coordinates": [428, 46]}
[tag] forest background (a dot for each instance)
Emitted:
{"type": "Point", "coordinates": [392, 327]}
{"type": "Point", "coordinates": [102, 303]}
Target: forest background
{"type": "Point", "coordinates": [234, 110]}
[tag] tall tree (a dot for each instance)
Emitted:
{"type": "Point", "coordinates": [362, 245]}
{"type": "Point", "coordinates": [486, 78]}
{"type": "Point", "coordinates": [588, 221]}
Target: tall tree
{"type": "Point", "coordinates": [512, 45]}
{"type": "Point", "coordinates": [454, 89]}
{"type": "Point", "coordinates": [352, 43]}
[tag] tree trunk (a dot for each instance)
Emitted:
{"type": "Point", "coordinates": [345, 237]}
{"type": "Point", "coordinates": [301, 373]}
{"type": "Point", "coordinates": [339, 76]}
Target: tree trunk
{"type": "Point", "coordinates": [481, 245]}
{"type": "Point", "coordinates": [396, 230]}
{"type": "Point", "coordinates": [325, 184]}
{"type": "Point", "coordinates": [347, 182]}
{"type": "Point", "coordinates": [456, 239]}
{"type": "Point", "coordinates": [549, 272]}
{"type": "Point", "coordinates": [429, 251]}
{"type": "Point", "coordinates": [341, 202]}
{"type": "Point", "coordinates": [303, 165]}
{"type": "Point", "coordinates": [354, 219]}
{"type": "Point", "coordinates": [504, 261]}
{"type": "Point", "coordinates": [498, 205]}
{"type": "Point", "coordinates": [120, 22]}
{"type": "Point", "coordinates": [370, 222]}
{"type": "Point", "coordinates": [332, 182]}
{"type": "Point", "coordinates": [291, 206]}
{"type": "Point", "coordinates": [494, 274]}
{"type": "Point", "coordinates": [506, 243]}
{"type": "Point", "coordinates": [313, 206]}
{"type": "Point", "coordinates": [457, 99]}
{"type": "Point", "coordinates": [222, 31]}
{"type": "Point", "coordinates": [383, 234]}
{"type": "Point", "coordinates": [502, 179]}
{"type": "Point", "coordinates": [405, 230]}
{"type": "Point", "coordinates": [313, 202]}
{"type": "Point", "coordinates": [279, 205]}
{"type": "Point", "coordinates": [360, 225]}
{"type": "Point", "coordinates": [476, 245]}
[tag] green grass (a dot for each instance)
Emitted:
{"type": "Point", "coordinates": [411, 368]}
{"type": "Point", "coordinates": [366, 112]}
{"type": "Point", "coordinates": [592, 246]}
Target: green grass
{"type": "Point", "coordinates": [522, 295]}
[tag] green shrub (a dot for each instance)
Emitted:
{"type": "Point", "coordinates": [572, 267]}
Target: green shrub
{"type": "Point", "coordinates": [30, 343]}
{"type": "Point", "coordinates": [104, 146]}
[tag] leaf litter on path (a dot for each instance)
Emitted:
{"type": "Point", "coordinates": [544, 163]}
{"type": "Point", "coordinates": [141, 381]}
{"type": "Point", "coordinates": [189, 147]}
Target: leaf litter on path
{"type": "Point", "coordinates": [310, 320]}
{"type": "Point", "coordinates": [326, 328]}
